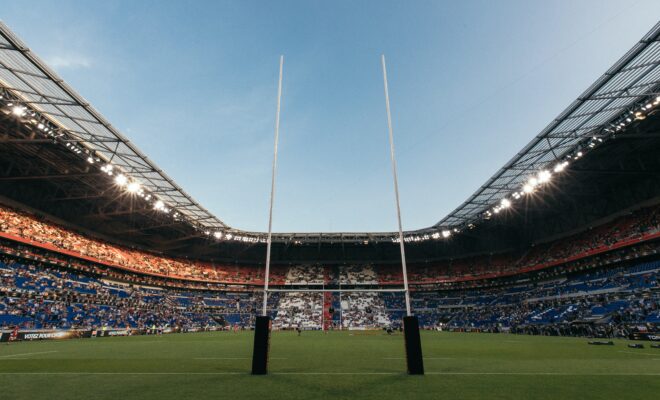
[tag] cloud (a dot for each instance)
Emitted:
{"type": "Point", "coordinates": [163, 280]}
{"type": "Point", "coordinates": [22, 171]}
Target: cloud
{"type": "Point", "coordinates": [69, 61]}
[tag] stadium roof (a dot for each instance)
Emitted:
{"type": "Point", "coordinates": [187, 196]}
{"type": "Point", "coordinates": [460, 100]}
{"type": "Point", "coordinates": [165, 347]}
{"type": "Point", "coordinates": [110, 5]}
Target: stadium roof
{"type": "Point", "coordinates": [629, 82]}
{"type": "Point", "coordinates": [595, 115]}
{"type": "Point", "coordinates": [38, 87]}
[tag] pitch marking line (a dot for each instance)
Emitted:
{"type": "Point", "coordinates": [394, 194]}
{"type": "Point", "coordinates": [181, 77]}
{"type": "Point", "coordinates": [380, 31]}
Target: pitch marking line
{"type": "Point", "coordinates": [426, 358]}
{"type": "Point", "coordinates": [639, 354]}
{"type": "Point", "coordinates": [28, 354]}
{"type": "Point", "coordinates": [332, 373]}
{"type": "Point", "coordinates": [235, 358]}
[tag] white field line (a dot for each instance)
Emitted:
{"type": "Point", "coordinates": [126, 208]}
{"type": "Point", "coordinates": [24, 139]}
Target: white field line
{"type": "Point", "coordinates": [333, 373]}
{"type": "Point", "coordinates": [639, 354]}
{"type": "Point", "coordinates": [426, 358]}
{"type": "Point", "coordinates": [28, 354]}
{"type": "Point", "coordinates": [235, 358]}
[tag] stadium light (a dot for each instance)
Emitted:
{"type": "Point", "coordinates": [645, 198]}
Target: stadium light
{"type": "Point", "coordinates": [528, 188]}
{"type": "Point", "coordinates": [533, 181]}
{"type": "Point", "coordinates": [159, 205]}
{"type": "Point", "coordinates": [446, 234]}
{"type": "Point", "coordinates": [121, 179]}
{"type": "Point", "coordinates": [506, 203]}
{"type": "Point", "coordinates": [217, 235]}
{"type": "Point", "coordinates": [561, 166]}
{"type": "Point", "coordinates": [18, 111]}
{"type": "Point", "coordinates": [544, 176]}
{"type": "Point", "coordinates": [107, 168]}
{"type": "Point", "coordinates": [133, 187]}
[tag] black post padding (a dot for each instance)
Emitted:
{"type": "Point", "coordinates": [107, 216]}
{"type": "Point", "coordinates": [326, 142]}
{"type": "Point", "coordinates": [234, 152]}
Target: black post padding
{"type": "Point", "coordinates": [261, 346]}
{"type": "Point", "coordinates": [413, 346]}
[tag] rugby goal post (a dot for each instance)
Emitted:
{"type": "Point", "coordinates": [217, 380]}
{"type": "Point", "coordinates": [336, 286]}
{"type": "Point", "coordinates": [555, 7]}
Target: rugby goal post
{"type": "Point", "coordinates": [414, 360]}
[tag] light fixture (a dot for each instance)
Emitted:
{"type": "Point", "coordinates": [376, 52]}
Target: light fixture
{"type": "Point", "coordinates": [18, 111]}
{"type": "Point", "coordinates": [121, 179]}
{"type": "Point", "coordinates": [506, 203]}
{"type": "Point", "coordinates": [133, 187]}
{"type": "Point", "coordinates": [544, 176]}
{"type": "Point", "coordinates": [561, 166]}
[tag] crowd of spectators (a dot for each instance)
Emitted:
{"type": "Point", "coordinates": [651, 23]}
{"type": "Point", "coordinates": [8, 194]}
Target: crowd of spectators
{"type": "Point", "coordinates": [607, 302]}
{"type": "Point", "coordinates": [625, 228]}
{"type": "Point", "coordinates": [30, 227]}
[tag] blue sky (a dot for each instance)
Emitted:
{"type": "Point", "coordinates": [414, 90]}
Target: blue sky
{"type": "Point", "coordinates": [193, 84]}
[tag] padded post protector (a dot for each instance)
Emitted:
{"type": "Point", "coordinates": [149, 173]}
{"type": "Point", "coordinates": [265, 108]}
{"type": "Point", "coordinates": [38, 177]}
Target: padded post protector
{"type": "Point", "coordinates": [261, 346]}
{"type": "Point", "coordinates": [413, 342]}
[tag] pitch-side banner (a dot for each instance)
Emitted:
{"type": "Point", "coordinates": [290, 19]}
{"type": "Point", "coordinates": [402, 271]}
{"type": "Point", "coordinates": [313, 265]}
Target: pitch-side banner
{"type": "Point", "coordinates": [653, 336]}
{"type": "Point", "coordinates": [44, 335]}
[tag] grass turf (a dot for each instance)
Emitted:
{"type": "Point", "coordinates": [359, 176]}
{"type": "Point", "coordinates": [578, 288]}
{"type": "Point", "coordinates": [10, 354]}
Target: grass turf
{"type": "Point", "coordinates": [338, 365]}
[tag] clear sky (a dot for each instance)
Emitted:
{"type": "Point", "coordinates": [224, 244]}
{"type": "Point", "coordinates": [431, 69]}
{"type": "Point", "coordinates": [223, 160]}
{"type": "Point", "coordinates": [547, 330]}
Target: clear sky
{"type": "Point", "coordinates": [193, 84]}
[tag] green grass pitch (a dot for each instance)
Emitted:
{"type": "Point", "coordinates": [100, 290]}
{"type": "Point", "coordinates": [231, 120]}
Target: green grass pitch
{"type": "Point", "coordinates": [337, 365]}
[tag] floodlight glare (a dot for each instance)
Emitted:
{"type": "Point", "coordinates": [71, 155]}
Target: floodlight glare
{"type": "Point", "coordinates": [506, 203]}
{"type": "Point", "coordinates": [544, 176]}
{"type": "Point", "coordinates": [121, 180]}
{"type": "Point", "coordinates": [18, 111]}
{"type": "Point", "coordinates": [133, 187]}
{"type": "Point", "coordinates": [528, 188]}
{"type": "Point", "coordinates": [446, 234]}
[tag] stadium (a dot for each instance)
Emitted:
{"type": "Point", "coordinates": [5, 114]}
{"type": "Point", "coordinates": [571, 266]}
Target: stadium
{"type": "Point", "coordinates": [116, 283]}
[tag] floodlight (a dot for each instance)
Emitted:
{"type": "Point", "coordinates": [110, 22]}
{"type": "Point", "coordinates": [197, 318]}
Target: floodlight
{"type": "Point", "coordinates": [544, 176]}
{"type": "Point", "coordinates": [133, 187]}
{"type": "Point", "coordinates": [446, 234]}
{"type": "Point", "coordinates": [121, 179]}
{"type": "Point", "coordinates": [18, 111]}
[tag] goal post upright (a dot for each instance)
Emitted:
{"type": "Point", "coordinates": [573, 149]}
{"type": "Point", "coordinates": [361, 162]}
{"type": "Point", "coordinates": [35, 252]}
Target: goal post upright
{"type": "Point", "coordinates": [269, 240]}
{"type": "Point", "coordinates": [412, 339]}
{"type": "Point", "coordinates": [262, 326]}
